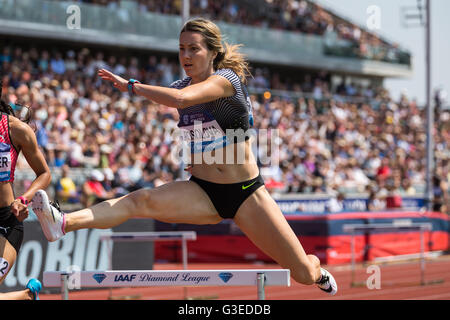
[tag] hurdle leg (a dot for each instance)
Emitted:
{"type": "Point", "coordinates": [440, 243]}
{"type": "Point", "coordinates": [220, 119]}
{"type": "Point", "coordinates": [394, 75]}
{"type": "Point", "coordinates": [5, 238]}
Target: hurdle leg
{"type": "Point", "coordinates": [422, 258]}
{"type": "Point", "coordinates": [64, 286]}
{"type": "Point", "coordinates": [260, 286]}
{"type": "Point", "coordinates": [109, 245]}
{"type": "Point", "coordinates": [184, 252]}
{"type": "Point", "coordinates": [352, 244]}
{"type": "Point", "coordinates": [185, 258]}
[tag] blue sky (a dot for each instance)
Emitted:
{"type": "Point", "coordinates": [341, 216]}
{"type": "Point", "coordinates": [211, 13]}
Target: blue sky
{"type": "Point", "coordinates": [412, 39]}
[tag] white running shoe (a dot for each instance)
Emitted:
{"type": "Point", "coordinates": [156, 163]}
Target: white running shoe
{"type": "Point", "coordinates": [327, 283]}
{"type": "Point", "coordinates": [51, 218]}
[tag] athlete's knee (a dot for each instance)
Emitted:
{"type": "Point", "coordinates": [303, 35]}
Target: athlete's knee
{"type": "Point", "coordinates": [5, 266]}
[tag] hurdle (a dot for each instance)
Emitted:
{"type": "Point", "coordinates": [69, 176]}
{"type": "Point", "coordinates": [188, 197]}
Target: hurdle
{"type": "Point", "coordinates": [158, 278]}
{"type": "Point", "coordinates": [182, 236]}
{"type": "Point", "coordinates": [399, 225]}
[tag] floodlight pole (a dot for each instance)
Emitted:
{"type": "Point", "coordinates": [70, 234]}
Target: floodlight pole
{"type": "Point", "coordinates": [185, 9]}
{"type": "Point", "coordinates": [185, 13]}
{"type": "Point", "coordinates": [429, 107]}
{"type": "Point", "coordinates": [430, 110]}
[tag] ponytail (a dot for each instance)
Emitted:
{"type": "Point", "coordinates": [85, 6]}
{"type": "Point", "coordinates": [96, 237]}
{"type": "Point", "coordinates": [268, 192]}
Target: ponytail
{"type": "Point", "coordinates": [20, 111]}
{"type": "Point", "coordinates": [6, 108]}
{"type": "Point", "coordinates": [15, 109]}
{"type": "Point", "coordinates": [231, 58]}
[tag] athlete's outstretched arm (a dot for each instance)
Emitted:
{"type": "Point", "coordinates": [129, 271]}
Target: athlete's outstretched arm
{"type": "Point", "coordinates": [211, 89]}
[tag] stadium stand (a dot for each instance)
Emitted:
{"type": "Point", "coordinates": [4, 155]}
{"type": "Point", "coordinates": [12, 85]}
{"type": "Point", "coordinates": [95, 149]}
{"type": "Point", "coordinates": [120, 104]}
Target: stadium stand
{"type": "Point", "coordinates": [297, 16]}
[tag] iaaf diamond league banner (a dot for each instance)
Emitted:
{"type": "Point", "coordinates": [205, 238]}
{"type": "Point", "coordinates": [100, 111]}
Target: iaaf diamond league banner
{"type": "Point", "coordinates": [79, 250]}
{"type": "Point", "coordinates": [133, 278]}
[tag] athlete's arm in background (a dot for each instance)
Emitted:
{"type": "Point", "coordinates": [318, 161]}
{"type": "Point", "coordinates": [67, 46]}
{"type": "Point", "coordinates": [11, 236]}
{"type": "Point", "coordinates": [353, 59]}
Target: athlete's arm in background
{"type": "Point", "coordinates": [211, 89]}
{"type": "Point", "coordinates": [24, 139]}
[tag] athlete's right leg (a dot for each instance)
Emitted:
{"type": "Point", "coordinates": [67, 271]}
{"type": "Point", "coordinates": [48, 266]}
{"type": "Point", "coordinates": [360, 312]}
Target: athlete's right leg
{"type": "Point", "coordinates": [7, 259]}
{"type": "Point", "coordinates": [175, 202]}
{"type": "Point", "coordinates": [16, 295]}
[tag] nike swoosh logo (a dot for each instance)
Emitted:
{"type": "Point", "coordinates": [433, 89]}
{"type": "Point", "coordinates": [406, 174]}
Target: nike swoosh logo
{"type": "Point", "coordinates": [53, 215]}
{"type": "Point", "coordinates": [245, 187]}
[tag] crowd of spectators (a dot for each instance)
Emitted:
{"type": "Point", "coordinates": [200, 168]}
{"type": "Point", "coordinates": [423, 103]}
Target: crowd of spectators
{"type": "Point", "coordinates": [343, 37]}
{"type": "Point", "coordinates": [324, 143]}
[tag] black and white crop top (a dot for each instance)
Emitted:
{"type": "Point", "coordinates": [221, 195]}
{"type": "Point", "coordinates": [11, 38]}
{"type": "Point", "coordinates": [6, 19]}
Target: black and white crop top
{"type": "Point", "coordinates": [217, 123]}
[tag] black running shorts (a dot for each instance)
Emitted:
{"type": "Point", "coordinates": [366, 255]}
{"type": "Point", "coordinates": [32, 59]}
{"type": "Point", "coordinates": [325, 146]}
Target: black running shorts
{"type": "Point", "coordinates": [228, 197]}
{"type": "Point", "coordinates": [11, 228]}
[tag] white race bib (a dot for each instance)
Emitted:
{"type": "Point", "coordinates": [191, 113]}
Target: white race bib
{"type": "Point", "coordinates": [202, 131]}
{"type": "Point", "coordinates": [5, 162]}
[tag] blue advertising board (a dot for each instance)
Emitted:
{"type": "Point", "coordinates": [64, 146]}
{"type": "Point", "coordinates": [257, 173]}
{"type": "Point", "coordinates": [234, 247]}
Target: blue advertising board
{"type": "Point", "coordinates": [316, 205]}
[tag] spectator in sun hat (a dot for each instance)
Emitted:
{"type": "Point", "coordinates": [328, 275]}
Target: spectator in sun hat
{"type": "Point", "coordinates": [105, 152]}
{"type": "Point", "coordinates": [108, 182]}
{"type": "Point", "coordinates": [93, 191]}
{"type": "Point", "coordinates": [66, 189]}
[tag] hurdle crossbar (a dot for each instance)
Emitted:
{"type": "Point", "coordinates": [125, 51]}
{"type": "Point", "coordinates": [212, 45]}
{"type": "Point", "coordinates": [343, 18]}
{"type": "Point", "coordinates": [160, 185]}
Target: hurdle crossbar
{"type": "Point", "coordinates": [158, 278]}
{"type": "Point", "coordinates": [396, 226]}
{"type": "Point", "coordinates": [182, 236]}
{"type": "Point", "coordinates": [149, 236]}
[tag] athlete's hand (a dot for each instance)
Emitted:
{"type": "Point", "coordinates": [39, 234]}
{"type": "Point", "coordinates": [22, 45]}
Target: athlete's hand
{"type": "Point", "coordinates": [19, 210]}
{"type": "Point", "coordinates": [119, 82]}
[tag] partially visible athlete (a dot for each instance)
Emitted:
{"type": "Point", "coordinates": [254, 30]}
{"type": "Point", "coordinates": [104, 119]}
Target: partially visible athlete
{"type": "Point", "coordinates": [17, 136]}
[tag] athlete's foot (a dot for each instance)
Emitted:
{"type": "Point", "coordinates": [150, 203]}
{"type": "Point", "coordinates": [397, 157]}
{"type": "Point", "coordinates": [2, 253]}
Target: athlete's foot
{"type": "Point", "coordinates": [50, 216]}
{"type": "Point", "coordinates": [35, 286]}
{"type": "Point", "coordinates": [326, 282]}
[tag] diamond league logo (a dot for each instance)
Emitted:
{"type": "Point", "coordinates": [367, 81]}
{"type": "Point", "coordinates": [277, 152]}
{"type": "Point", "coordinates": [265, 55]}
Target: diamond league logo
{"type": "Point", "coordinates": [225, 276]}
{"type": "Point", "coordinates": [99, 277]}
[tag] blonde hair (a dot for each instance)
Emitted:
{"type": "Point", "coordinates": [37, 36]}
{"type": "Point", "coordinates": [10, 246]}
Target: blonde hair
{"type": "Point", "coordinates": [228, 55]}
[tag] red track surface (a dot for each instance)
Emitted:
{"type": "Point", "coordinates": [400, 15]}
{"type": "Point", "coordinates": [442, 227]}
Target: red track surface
{"type": "Point", "coordinates": [398, 282]}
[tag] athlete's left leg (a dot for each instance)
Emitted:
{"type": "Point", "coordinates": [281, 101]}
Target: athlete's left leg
{"type": "Point", "coordinates": [260, 218]}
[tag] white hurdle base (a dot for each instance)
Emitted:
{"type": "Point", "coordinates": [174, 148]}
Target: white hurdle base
{"type": "Point", "coordinates": [167, 278]}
